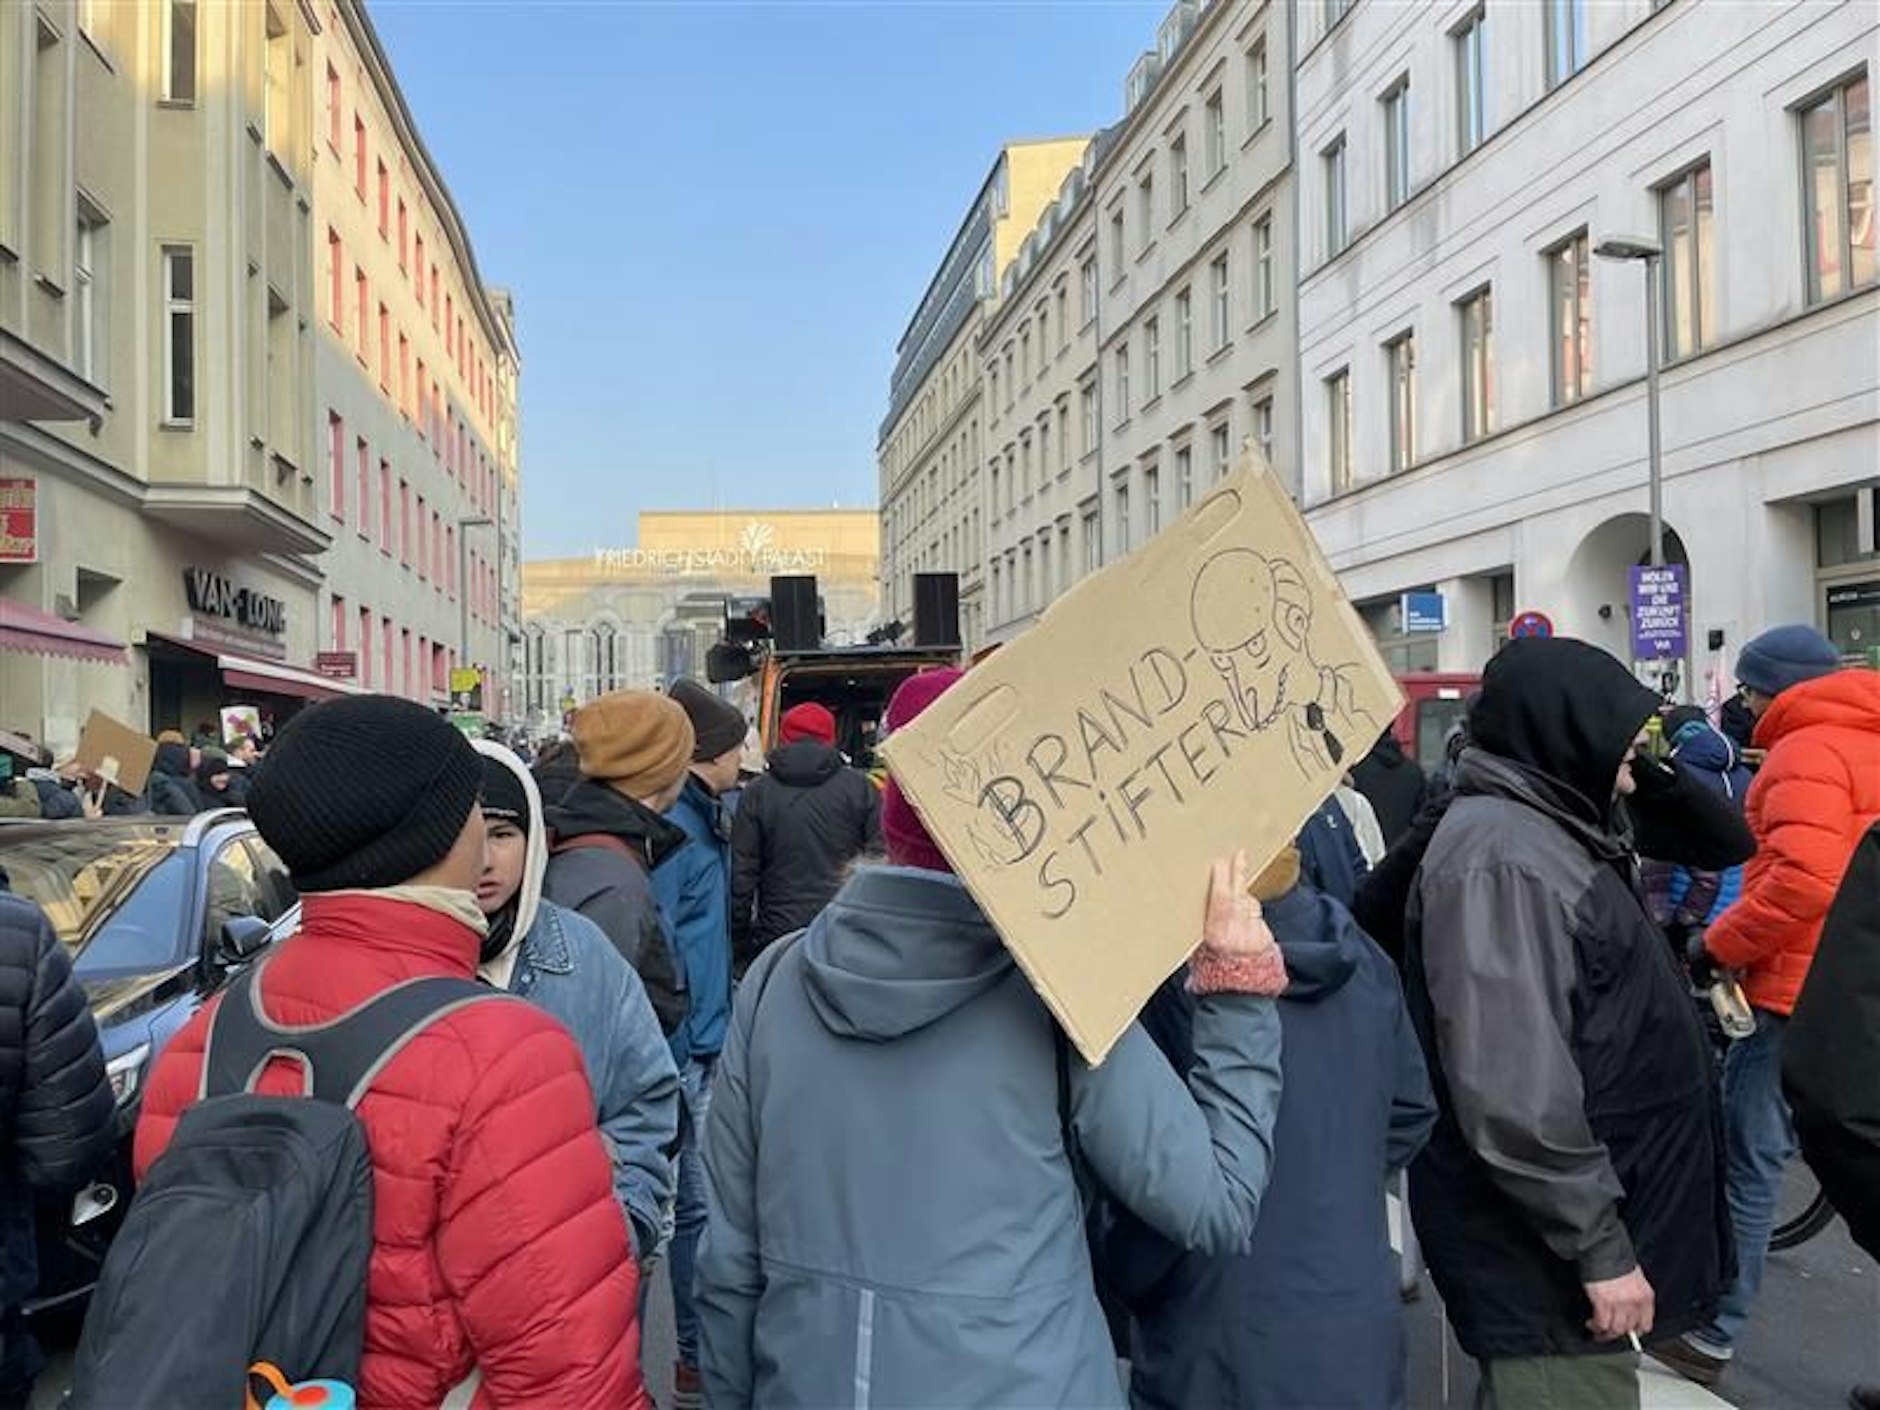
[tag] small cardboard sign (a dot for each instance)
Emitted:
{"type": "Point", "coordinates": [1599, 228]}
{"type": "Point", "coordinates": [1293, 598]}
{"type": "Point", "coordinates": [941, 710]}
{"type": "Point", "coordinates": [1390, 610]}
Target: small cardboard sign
{"type": "Point", "coordinates": [1205, 693]}
{"type": "Point", "coordinates": [115, 752]}
{"type": "Point", "coordinates": [241, 722]}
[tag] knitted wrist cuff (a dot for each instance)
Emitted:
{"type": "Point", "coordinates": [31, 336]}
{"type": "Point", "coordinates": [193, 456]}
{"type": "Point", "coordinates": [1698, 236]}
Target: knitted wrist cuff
{"type": "Point", "coordinates": [1211, 972]}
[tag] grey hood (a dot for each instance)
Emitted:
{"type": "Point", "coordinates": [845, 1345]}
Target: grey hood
{"type": "Point", "coordinates": [898, 949]}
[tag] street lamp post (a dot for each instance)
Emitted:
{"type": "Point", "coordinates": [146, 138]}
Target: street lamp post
{"type": "Point", "coordinates": [1638, 247]}
{"type": "Point", "coordinates": [464, 525]}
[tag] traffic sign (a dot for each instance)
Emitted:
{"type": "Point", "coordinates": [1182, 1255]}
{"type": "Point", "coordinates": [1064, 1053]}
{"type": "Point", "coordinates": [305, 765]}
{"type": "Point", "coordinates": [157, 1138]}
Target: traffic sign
{"type": "Point", "coordinates": [1537, 624]}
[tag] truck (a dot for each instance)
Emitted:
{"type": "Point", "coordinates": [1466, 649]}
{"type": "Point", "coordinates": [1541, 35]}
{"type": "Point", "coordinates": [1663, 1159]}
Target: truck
{"type": "Point", "coordinates": [778, 644]}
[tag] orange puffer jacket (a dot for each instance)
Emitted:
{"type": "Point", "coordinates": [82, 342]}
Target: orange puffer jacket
{"type": "Point", "coordinates": [498, 1244]}
{"type": "Point", "coordinates": [1816, 796]}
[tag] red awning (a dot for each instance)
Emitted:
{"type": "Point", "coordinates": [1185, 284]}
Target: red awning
{"type": "Point", "coordinates": [24, 628]}
{"type": "Point", "coordinates": [268, 677]}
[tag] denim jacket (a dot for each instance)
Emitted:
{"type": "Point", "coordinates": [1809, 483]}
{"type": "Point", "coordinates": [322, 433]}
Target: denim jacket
{"type": "Point", "coordinates": [567, 966]}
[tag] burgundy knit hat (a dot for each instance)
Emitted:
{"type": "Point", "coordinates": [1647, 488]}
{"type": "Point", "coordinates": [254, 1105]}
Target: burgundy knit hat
{"type": "Point", "coordinates": [909, 844]}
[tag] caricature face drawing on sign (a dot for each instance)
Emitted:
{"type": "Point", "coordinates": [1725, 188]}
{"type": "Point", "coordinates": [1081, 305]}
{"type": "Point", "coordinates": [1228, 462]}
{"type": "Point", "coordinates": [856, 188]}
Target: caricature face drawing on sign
{"type": "Point", "coordinates": [1253, 616]}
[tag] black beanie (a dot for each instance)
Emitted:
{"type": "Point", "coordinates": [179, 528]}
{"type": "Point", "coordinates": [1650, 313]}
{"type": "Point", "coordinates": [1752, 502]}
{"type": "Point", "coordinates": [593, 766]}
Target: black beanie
{"type": "Point", "coordinates": [717, 725]}
{"type": "Point", "coordinates": [364, 792]}
{"type": "Point", "coordinates": [503, 797]}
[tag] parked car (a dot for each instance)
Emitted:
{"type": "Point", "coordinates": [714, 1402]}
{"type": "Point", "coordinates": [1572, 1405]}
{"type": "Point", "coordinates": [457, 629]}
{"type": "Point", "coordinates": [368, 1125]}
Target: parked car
{"type": "Point", "coordinates": [158, 914]}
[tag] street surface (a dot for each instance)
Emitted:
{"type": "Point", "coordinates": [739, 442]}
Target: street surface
{"type": "Point", "coordinates": [1816, 1332]}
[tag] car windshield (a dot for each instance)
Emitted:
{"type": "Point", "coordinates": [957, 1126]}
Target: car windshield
{"type": "Point", "coordinates": [122, 883]}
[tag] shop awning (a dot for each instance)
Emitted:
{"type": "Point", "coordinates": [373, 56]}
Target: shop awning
{"type": "Point", "coordinates": [268, 677]}
{"type": "Point", "coordinates": [24, 628]}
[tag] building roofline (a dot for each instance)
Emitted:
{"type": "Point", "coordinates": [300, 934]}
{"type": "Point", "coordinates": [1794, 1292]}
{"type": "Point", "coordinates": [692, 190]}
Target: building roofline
{"type": "Point", "coordinates": [378, 64]}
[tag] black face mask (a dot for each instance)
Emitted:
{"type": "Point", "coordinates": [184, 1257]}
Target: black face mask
{"type": "Point", "coordinates": [502, 927]}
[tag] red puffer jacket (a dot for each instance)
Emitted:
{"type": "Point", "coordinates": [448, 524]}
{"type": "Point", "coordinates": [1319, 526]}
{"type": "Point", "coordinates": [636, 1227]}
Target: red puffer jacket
{"type": "Point", "coordinates": [499, 1246]}
{"type": "Point", "coordinates": [1814, 800]}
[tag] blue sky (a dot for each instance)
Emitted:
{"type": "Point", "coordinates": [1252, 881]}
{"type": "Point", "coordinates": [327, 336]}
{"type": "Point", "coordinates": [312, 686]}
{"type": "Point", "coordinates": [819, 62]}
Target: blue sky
{"type": "Point", "coordinates": [717, 218]}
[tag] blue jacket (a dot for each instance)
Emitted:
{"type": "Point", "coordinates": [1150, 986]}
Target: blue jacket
{"type": "Point", "coordinates": [1309, 1316]}
{"type": "Point", "coordinates": [894, 1218]}
{"type": "Point", "coordinates": [693, 889]}
{"type": "Point", "coordinates": [568, 967]}
{"type": "Point", "coordinates": [1330, 859]}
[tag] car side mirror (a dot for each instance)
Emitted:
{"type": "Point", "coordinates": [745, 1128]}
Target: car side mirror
{"type": "Point", "coordinates": [243, 937]}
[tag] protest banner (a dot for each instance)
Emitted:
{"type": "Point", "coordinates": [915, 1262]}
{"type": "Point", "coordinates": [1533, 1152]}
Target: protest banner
{"type": "Point", "coordinates": [1203, 694]}
{"type": "Point", "coordinates": [241, 722]}
{"type": "Point", "coordinates": [115, 752]}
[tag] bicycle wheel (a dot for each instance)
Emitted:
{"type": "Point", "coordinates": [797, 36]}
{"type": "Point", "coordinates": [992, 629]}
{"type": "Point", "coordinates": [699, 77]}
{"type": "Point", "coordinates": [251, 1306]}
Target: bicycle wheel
{"type": "Point", "coordinates": [1802, 1226]}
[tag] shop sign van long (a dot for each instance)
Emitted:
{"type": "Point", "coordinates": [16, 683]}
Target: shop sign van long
{"type": "Point", "coordinates": [215, 596]}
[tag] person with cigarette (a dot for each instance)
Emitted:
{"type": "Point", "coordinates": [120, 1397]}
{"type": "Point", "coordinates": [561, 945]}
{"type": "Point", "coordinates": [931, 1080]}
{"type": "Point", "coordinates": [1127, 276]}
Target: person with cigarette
{"type": "Point", "coordinates": [1570, 1201]}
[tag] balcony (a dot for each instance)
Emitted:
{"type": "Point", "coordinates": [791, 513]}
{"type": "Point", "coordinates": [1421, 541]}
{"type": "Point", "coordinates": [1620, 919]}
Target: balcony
{"type": "Point", "coordinates": [235, 515]}
{"type": "Point", "coordinates": [35, 387]}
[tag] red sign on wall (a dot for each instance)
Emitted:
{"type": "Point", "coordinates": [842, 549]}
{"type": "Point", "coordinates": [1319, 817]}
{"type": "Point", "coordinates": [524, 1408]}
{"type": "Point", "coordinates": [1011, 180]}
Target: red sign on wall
{"type": "Point", "coordinates": [337, 665]}
{"type": "Point", "coordinates": [19, 520]}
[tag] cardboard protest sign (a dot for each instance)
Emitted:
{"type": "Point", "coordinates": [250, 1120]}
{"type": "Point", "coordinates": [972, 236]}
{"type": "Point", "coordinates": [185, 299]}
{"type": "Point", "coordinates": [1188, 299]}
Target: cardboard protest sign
{"type": "Point", "coordinates": [115, 752]}
{"type": "Point", "coordinates": [1203, 694]}
{"type": "Point", "coordinates": [241, 722]}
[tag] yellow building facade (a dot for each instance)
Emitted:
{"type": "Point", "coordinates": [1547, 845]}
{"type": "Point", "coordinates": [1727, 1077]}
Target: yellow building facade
{"type": "Point", "coordinates": [642, 616]}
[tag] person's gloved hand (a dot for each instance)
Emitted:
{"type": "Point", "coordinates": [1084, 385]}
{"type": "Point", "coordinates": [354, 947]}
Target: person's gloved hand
{"type": "Point", "coordinates": [1653, 777]}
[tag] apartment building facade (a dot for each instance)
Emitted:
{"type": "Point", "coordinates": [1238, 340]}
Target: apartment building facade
{"type": "Point", "coordinates": [415, 380]}
{"type": "Point", "coordinates": [157, 458]}
{"type": "Point", "coordinates": [1475, 399]}
{"type": "Point", "coordinates": [930, 444]}
{"type": "Point", "coordinates": [1146, 330]}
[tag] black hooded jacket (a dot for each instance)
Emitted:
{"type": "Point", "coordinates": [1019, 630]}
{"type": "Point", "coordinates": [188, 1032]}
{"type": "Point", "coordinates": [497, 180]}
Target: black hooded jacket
{"type": "Point", "coordinates": [603, 847]}
{"type": "Point", "coordinates": [1831, 1051]}
{"type": "Point", "coordinates": [56, 1112]}
{"type": "Point", "coordinates": [170, 790]}
{"type": "Point", "coordinates": [1393, 784]}
{"type": "Point", "coordinates": [1579, 1134]}
{"type": "Point", "coordinates": [797, 830]}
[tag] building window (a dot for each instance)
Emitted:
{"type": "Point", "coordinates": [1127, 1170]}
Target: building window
{"type": "Point", "coordinates": [336, 282]}
{"type": "Point", "coordinates": [1338, 424]}
{"type": "Point", "coordinates": [1044, 342]}
{"type": "Point", "coordinates": [1064, 436]}
{"type": "Point", "coordinates": [1152, 499]}
{"type": "Point", "coordinates": [1088, 393]}
{"type": "Point", "coordinates": [362, 309]}
{"type": "Point", "coordinates": [1332, 160]}
{"type": "Point", "coordinates": [276, 87]}
{"type": "Point", "coordinates": [1122, 384]}
{"type": "Point", "coordinates": [1184, 333]}
{"type": "Point", "coordinates": [1685, 228]}
{"type": "Point", "coordinates": [1837, 182]}
{"type": "Point", "coordinates": [995, 490]}
{"type": "Point", "coordinates": [1044, 450]}
{"type": "Point", "coordinates": [1397, 145]}
{"type": "Point", "coordinates": [90, 296]}
{"type": "Point", "coordinates": [417, 260]}
{"type": "Point", "coordinates": [364, 464]}
{"type": "Point", "coordinates": [1263, 292]}
{"type": "Point", "coordinates": [1063, 320]}
{"type": "Point", "coordinates": [365, 647]}
{"type": "Point", "coordinates": [1401, 357]}
{"type": "Point", "coordinates": [992, 385]}
{"type": "Point", "coordinates": [1145, 205]}
{"type": "Point", "coordinates": [179, 335]}
{"type": "Point", "coordinates": [1178, 178]}
{"type": "Point", "coordinates": [404, 224]}
{"type": "Point", "coordinates": [1093, 541]}
{"type": "Point", "coordinates": [1571, 307]}
{"type": "Point", "coordinates": [1222, 290]}
{"type": "Point", "coordinates": [1478, 365]}
{"type": "Point", "coordinates": [1471, 83]}
{"type": "Point", "coordinates": [1011, 382]}
{"type": "Point", "coordinates": [1214, 117]}
{"type": "Point", "coordinates": [1024, 356]}
{"type": "Point", "coordinates": [385, 349]}
{"type": "Point", "coordinates": [1222, 444]}
{"type": "Point", "coordinates": [1184, 477]}
{"type": "Point", "coordinates": [179, 51]}
{"type": "Point", "coordinates": [336, 465]}
{"type": "Point", "coordinates": [1122, 517]}
{"type": "Point", "coordinates": [359, 157]}
{"type": "Point", "coordinates": [404, 522]}
{"type": "Point", "coordinates": [1152, 358]}
{"type": "Point", "coordinates": [385, 206]}
{"type": "Point", "coordinates": [333, 107]}
{"type": "Point", "coordinates": [337, 625]}
{"type": "Point", "coordinates": [1258, 111]}
{"type": "Point", "coordinates": [1263, 426]}
{"type": "Point", "coordinates": [1566, 39]}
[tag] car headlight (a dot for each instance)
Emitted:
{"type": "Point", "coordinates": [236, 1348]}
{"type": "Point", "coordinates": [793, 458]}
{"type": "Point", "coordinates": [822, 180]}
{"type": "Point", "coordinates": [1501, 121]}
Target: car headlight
{"type": "Point", "coordinates": [125, 1072]}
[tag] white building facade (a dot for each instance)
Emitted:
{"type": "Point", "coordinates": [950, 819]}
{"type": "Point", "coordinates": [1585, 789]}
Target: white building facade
{"type": "Point", "coordinates": [1145, 331]}
{"type": "Point", "coordinates": [1473, 375]}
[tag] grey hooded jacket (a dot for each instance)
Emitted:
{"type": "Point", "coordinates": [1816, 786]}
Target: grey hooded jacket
{"type": "Point", "coordinates": [894, 1219]}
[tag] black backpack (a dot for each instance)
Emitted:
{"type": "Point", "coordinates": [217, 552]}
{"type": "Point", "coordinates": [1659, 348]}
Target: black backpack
{"type": "Point", "coordinates": [251, 1237]}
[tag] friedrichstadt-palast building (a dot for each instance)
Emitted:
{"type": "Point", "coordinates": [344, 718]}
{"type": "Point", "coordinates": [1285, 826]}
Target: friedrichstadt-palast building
{"type": "Point", "coordinates": [643, 615]}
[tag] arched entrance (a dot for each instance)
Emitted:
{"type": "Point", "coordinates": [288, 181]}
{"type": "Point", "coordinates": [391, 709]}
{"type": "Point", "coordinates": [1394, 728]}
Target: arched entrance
{"type": "Point", "coordinates": [1598, 588]}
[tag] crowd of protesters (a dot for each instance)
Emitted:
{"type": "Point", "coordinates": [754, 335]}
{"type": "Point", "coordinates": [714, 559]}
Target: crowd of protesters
{"type": "Point", "coordinates": [768, 1046]}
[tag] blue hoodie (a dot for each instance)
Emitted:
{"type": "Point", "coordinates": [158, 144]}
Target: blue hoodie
{"type": "Point", "coordinates": [1309, 1316]}
{"type": "Point", "coordinates": [693, 888]}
